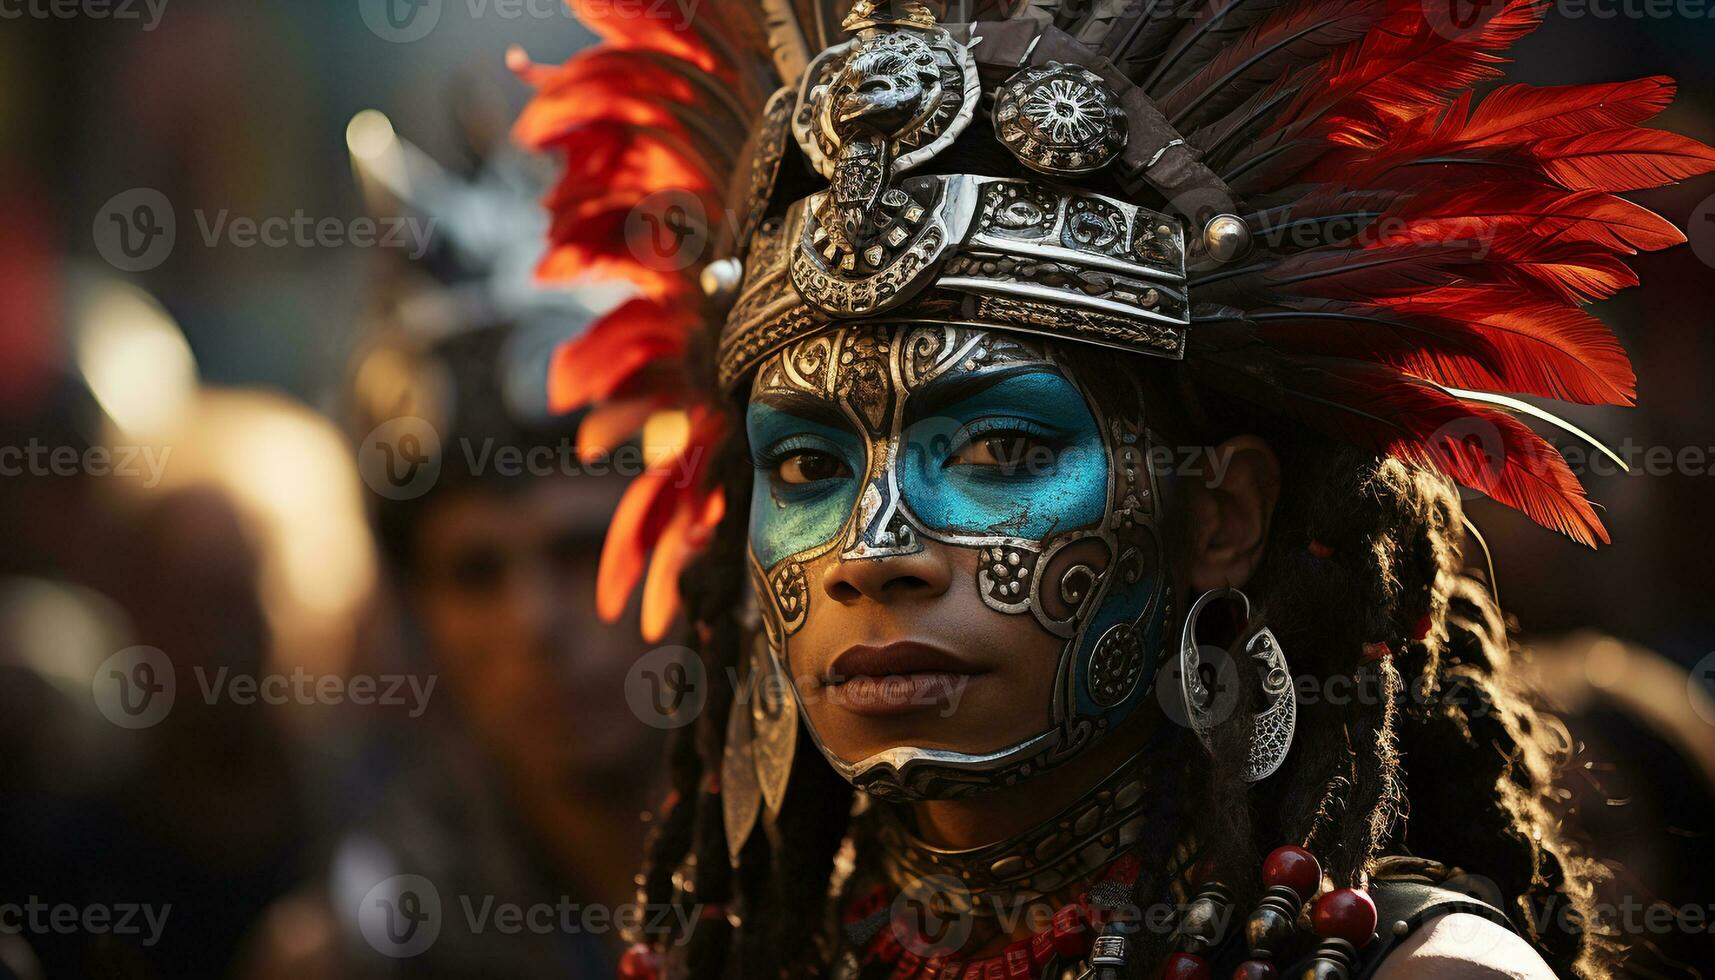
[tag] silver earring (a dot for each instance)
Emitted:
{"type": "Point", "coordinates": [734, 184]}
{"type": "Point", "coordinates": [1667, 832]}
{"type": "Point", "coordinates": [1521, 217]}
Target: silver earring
{"type": "Point", "coordinates": [1272, 727]}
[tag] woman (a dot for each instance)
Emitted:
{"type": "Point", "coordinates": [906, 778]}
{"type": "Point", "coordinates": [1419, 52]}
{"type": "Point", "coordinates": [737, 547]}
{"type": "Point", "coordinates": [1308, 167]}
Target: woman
{"type": "Point", "coordinates": [1099, 378]}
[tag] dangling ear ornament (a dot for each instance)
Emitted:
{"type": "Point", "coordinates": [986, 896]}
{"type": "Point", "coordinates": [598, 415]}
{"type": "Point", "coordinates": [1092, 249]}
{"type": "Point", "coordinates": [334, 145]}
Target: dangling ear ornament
{"type": "Point", "coordinates": [1273, 727]}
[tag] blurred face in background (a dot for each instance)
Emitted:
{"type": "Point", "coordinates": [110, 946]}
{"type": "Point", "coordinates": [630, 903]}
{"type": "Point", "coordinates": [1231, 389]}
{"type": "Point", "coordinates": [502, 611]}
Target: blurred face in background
{"type": "Point", "coordinates": [505, 589]}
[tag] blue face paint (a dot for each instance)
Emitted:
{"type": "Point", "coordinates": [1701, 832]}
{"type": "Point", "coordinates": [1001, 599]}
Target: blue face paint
{"type": "Point", "coordinates": [1060, 485]}
{"type": "Point", "coordinates": [788, 519]}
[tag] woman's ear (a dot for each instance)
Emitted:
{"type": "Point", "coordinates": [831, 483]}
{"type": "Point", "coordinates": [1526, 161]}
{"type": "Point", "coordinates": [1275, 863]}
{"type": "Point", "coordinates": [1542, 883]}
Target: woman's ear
{"type": "Point", "coordinates": [1231, 506]}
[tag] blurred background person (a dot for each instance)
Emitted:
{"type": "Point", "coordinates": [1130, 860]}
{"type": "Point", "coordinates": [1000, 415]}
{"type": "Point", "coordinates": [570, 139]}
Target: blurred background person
{"type": "Point", "coordinates": [519, 785]}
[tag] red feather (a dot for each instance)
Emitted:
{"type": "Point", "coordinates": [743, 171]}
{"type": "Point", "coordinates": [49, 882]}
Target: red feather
{"type": "Point", "coordinates": [1505, 125]}
{"type": "Point", "coordinates": [1515, 217]}
{"type": "Point", "coordinates": [1622, 159]}
{"type": "Point", "coordinates": [599, 362]}
{"type": "Point", "coordinates": [1513, 114]}
{"type": "Point", "coordinates": [1419, 422]}
{"type": "Point", "coordinates": [1495, 339]}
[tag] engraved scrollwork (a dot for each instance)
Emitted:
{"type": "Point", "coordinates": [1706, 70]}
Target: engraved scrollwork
{"type": "Point", "coordinates": [1095, 225]}
{"type": "Point", "coordinates": [863, 380]}
{"type": "Point", "coordinates": [1274, 726]}
{"type": "Point", "coordinates": [791, 594]}
{"type": "Point", "coordinates": [1015, 210]}
{"type": "Point", "coordinates": [771, 142]}
{"type": "Point", "coordinates": [1157, 242]}
{"type": "Point", "coordinates": [1076, 583]}
{"type": "Point", "coordinates": [843, 280]}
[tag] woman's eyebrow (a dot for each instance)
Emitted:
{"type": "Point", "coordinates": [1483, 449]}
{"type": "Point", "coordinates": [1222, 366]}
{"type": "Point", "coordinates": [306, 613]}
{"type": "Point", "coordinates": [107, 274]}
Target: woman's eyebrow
{"type": "Point", "coordinates": [806, 407]}
{"type": "Point", "coordinates": [948, 390]}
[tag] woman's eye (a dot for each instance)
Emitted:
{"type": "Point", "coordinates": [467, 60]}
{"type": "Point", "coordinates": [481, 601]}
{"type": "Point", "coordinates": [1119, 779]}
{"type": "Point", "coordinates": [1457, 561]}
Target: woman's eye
{"type": "Point", "coordinates": [1011, 451]}
{"type": "Point", "coordinates": [809, 467]}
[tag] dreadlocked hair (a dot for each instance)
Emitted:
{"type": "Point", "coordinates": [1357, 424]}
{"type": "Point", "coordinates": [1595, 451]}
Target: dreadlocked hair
{"type": "Point", "coordinates": [788, 865]}
{"type": "Point", "coordinates": [1409, 702]}
{"type": "Point", "coordinates": [1406, 691]}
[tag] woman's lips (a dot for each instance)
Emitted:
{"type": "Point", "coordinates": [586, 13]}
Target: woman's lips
{"type": "Point", "coordinates": [896, 679]}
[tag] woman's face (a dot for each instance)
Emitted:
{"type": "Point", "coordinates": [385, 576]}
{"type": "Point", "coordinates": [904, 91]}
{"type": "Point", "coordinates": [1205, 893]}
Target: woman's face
{"type": "Point", "coordinates": [953, 541]}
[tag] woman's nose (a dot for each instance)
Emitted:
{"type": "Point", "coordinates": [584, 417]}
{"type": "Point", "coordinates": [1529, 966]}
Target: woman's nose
{"type": "Point", "coordinates": [924, 573]}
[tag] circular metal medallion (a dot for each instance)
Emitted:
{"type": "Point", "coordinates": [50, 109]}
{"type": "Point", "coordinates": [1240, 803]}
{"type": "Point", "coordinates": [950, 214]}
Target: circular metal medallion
{"type": "Point", "coordinates": [1060, 120]}
{"type": "Point", "coordinates": [1116, 665]}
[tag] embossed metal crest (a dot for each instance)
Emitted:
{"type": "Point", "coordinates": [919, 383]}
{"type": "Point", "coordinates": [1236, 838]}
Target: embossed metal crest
{"type": "Point", "coordinates": [1060, 119]}
{"type": "Point", "coordinates": [901, 91]}
{"type": "Point", "coordinates": [913, 229]}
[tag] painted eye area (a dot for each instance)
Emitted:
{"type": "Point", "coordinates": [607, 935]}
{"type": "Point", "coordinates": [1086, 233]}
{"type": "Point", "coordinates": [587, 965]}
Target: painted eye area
{"type": "Point", "coordinates": [807, 467]}
{"type": "Point", "coordinates": [803, 463]}
{"type": "Point", "coordinates": [1006, 447]}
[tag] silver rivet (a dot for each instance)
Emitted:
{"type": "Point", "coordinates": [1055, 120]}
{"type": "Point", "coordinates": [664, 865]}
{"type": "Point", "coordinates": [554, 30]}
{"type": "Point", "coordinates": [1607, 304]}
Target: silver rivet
{"type": "Point", "coordinates": [1226, 237]}
{"type": "Point", "coordinates": [720, 280]}
{"type": "Point", "coordinates": [1401, 927]}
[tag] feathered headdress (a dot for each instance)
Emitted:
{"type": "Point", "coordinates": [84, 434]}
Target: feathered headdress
{"type": "Point", "coordinates": [1372, 249]}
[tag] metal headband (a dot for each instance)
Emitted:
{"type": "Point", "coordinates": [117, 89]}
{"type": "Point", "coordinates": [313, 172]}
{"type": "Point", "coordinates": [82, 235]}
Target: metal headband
{"type": "Point", "coordinates": [957, 249]}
